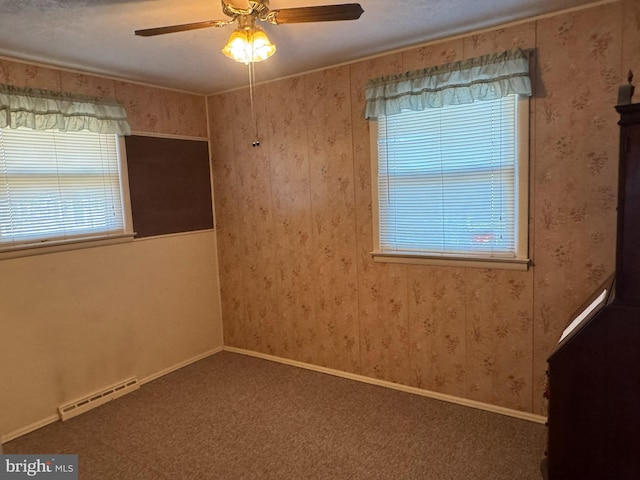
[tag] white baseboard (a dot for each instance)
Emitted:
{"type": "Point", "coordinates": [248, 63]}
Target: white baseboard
{"type": "Point", "coordinates": [54, 418]}
{"type": "Point", "coordinates": [180, 365]}
{"type": "Point", "coordinates": [29, 428]}
{"type": "Point", "coordinates": [396, 386]}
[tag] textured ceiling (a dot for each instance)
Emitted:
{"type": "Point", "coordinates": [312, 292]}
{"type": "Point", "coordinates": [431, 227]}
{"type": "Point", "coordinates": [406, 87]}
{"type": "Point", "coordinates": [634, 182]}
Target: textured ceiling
{"type": "Point", "coordinates": [97, 35]}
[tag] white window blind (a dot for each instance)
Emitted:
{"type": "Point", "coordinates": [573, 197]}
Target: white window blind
{"type": "Point", "coordinates": [447, 180]}
{"type": "Point", "coordinates": [57, 186]}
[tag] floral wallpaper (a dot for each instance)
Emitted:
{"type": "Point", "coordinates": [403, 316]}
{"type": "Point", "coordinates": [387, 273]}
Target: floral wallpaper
{"type": "Point", "coordinates": [149, 109]}
{"type": "Point", "coordinates": [575, 175]}
{"type": "Point", "coordinates": [295, 222]}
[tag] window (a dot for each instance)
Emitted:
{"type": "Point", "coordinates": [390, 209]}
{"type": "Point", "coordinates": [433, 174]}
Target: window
{"type": "Point", "coordinates": [451, 183]}
{"type": "Point", "coordinates": [450, 162]}
{"type": "Point", "coordinates": [60, 187]}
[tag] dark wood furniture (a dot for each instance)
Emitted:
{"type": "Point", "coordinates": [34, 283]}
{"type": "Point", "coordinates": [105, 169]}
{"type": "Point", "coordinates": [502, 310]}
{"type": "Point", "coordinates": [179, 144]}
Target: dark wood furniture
{"type": "Point", "coordinates": [594, 372]}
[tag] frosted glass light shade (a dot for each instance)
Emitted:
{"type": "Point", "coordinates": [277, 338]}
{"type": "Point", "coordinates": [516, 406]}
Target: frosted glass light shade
{"type": "Point", "coordinates": [249, 44]}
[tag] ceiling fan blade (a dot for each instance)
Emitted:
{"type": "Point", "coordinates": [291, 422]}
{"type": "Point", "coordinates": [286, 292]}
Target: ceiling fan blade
{"type": "Point", "coordinates": [150, 32]}
{"type": "Point", "coordinates": [323, 13]}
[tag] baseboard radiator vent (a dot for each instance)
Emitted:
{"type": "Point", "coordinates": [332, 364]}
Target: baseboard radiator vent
{"type": "Point", "coordinates": [96, 399]}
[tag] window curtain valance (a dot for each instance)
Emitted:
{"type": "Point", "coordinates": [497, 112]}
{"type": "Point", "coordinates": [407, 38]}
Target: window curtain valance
{"type": "Point", "coordinates": [483, 78]}
{"type": "Point", "coordinates": [47, 110]}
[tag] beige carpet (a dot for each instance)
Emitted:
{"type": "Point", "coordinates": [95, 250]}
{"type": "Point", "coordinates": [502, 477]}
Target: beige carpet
{"type": "Point", "coordinates": [236, 417]}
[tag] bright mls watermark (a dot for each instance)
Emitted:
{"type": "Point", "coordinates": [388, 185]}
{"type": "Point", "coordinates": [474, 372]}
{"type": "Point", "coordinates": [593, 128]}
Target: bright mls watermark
{"type": "Point", "coordinates": [51, 467]}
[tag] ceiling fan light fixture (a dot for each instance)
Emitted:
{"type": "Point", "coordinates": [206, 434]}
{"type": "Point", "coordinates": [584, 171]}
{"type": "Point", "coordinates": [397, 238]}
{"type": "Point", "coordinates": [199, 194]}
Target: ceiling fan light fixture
{"type": "Point", "coordinates": [249, 44]}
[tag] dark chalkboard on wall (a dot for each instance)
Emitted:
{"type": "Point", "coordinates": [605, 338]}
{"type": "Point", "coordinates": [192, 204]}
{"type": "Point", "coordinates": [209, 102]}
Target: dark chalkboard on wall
{"type": "Point", "coordinates": [170, 185]}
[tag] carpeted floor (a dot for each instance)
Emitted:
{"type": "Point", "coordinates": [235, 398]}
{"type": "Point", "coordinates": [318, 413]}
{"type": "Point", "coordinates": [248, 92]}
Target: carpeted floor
{"type": "Point", "coordinates": [236, 417]}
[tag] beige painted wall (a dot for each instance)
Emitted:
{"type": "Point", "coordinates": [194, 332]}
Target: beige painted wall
{"type": "Point", "coordinates": [295, 227]}
{"type": "Point", "coordinates": [75, 322]}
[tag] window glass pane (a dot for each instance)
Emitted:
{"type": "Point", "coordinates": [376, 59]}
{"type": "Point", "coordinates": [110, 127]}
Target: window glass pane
{"type": "Point", "coordinates": [58, 185]}
{"type": "Point", "coordinates": [447, 180]}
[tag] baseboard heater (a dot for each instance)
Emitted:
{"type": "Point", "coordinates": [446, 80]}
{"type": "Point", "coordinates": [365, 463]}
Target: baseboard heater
{"type": "Point", "coordinates": [96, 399]}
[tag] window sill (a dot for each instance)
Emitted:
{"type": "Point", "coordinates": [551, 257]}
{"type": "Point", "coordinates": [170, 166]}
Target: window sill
{"type": "Point", "coordinates": [62, 246]}
{"type": "Point", "coordinates": [452, 261]}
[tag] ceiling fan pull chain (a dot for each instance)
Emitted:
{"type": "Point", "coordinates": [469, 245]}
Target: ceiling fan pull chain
{"type": "Point", "coordinates": [254, 120]}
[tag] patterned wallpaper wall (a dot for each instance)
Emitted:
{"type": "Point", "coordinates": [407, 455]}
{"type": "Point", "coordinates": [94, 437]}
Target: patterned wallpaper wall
{"type": "Point", "coordinates": [149, 109]}
{"type": "Point", "coordinates": [295, 223]}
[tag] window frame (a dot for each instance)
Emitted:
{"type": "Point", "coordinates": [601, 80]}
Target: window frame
{"type": "Point", "coordinates": [45, 246]}
{"type": "Point", "coordinates": [521, 260]}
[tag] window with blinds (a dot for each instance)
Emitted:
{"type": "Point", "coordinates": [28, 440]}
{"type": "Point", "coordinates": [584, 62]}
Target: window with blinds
{"type": "Point", "coordinates": [449, 182]}
{"type": "Point", "coordinates": [58, 186]}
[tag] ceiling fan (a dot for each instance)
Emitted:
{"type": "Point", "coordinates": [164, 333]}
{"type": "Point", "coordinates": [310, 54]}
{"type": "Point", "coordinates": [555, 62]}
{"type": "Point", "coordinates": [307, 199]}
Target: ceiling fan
{"type": "Point", "coordinates": [249, 43]}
